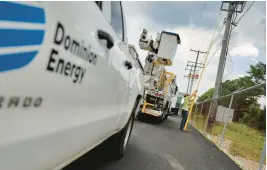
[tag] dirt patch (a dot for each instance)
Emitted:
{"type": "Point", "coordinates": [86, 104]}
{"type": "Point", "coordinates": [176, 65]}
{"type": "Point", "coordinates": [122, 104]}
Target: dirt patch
{"type": "Point", "coordinates": [244, 163]}
{"type": "Point", "coordinates": [225, 145]}
{"type": "Point", "coordinates": [248, 164]}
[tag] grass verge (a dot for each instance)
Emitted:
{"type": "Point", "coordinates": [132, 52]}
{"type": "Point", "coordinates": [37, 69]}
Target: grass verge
{"type": "Point", "coordinates": [246, 142]}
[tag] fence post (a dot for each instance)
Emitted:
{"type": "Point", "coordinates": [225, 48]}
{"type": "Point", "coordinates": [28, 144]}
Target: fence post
{"type": "Point", "coordinates": [194, 115]}
{"type": "Point", "coordinates": [195, 108]}
{"type": "Point", "coordinates": [207, 120]}
{"type": "Point", "coordinates": [262, 155]}
{"type": "Point", "coordinates": [225, 123]}
{"type": "Point", "coordinates": [201, 107]}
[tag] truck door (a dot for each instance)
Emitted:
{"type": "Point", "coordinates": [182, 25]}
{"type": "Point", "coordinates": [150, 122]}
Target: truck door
{"type": "Point", "coordinates": [69, 87]}
{"type": "Point", "coordinates": [132, 85]}
{"type": "Point", "coordinates": [127, 89]}
{"type": "Point", "coordinates": [119, 59]}
{"type": "Point", "coordinates": [117, 79]}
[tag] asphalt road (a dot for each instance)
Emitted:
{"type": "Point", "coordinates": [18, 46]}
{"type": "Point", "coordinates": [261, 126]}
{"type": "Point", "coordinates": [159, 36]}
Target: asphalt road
{"type": "Point", "coordinates": [160, 147]}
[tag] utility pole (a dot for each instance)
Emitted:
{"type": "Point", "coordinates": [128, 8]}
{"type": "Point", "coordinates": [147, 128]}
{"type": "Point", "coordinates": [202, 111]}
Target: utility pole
{"type": "Point", "coordinates": [234, 7]}
{"type": "Point", "coordinates": [190, 72]}
{"type": "Point", "coordinates": [192, 66]}
{"type": "Point", "coordinates": [192, 80]}
{"type": "Point", "coordinates": [220, 70]}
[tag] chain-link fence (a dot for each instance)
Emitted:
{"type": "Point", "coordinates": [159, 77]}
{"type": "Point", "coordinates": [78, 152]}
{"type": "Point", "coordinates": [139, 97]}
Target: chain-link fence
{"type": "Point", "coordinates": [237, 124]}
{"type": "Point", "coordinates": [199, 115]}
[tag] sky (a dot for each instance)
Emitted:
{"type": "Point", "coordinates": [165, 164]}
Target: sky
{"type": "Point", "coordinates": [195, 22]}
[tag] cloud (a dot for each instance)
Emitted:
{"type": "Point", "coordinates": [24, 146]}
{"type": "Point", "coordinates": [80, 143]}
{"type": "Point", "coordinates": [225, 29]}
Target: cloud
{"type": "Point", "coordinates": [245, 50]}
{"type": "Point", "coordinates": [253, 25]}
{"type": "Point", "coordinates": [172, 14]}
{"type": "Point", "coordinates": [191, 37]}
{"type": "Point", "coordinates": [196, 34]}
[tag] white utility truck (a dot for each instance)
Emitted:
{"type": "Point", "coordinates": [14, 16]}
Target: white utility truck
{"type": "Point", "coordinates": [159, 84]}
{"type": "Point", "coordinates": [67, 82]}
{"type": "Point", "coordinates": [139, 70]}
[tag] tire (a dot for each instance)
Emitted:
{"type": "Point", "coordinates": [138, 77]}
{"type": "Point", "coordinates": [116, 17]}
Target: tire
{"type": "Point", "coordinates": [161, 118]}
{"type": "Point", "coordinates": [166, 117]}
{"type": "Point", "coordinates": [166, 111]}
{"type": "Point", "coordinates": [138, 116]}
{"type": "Point", "coordinates": [117, 144]}
{"type": "Point", "coordinates": [137, 111]}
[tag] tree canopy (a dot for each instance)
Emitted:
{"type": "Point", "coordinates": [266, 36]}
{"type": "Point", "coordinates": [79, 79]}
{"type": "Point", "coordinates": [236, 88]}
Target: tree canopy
{"type": "Point", "coordinates": [256, 75]}
{"type": "Point", "coordinates": [246, 107]}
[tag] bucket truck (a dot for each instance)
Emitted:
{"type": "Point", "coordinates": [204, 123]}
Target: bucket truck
{"type": "Point", "coordinates": [159, 85]}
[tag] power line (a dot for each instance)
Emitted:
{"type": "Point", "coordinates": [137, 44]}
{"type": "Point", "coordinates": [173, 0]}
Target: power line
{"type": "Point", "coordinates": [214, 54]}
{"type": "Point", "coordinates": [219, 14]}
{"type": "Point", "coordinates": [228, 45]}
{"type": "Point", "coordinates": [214, 39]}
{"type": "Point", "coordinates": [203, 9]}
{"type": "Point", "coordinates": [228, 55]}
{"type": "Point", "coordinates": [235, 23]}
{"type": "Point", "coordinates": [230, 33]}
{"type": "Point", "coordinates": [219, 32]}
{"type": "Point", "coordinates": [231, 70]}
{"type": "Point", "coordinates": [231, 29]}
{"type": "Point", "coordinates": [231, 59]}
{"type": "Point", "coordinates": [245, 12]}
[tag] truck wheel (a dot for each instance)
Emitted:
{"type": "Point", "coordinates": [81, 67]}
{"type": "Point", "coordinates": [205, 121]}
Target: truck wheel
{"type": "Point", "coordinates": [138, 116]}
{"type": "Point", "coordinates": [161, 118]}
{"type": "Point", "coordinates": [166, 116]}
{"type": "Point", "coordinates": [117, 143]}
{"type": "Point", "coordinates": [137, 111]}
{"type": "Point", "coordinates": [166, 112]}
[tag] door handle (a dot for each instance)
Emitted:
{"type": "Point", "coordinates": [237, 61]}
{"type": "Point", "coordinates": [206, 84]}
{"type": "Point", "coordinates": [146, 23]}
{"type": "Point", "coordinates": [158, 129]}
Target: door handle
{"type": "Point", "coordinates": [128, 65]}
{"type": "Point", "coordinates": [102, 35]}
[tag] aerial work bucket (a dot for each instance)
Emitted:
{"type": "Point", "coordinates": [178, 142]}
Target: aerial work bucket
{"type": "Point", "coordinates": [163, 48]}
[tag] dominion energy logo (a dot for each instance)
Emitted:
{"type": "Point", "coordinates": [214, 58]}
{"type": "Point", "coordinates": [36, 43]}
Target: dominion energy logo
{"type": "Point", "coordinates": [21, 33]}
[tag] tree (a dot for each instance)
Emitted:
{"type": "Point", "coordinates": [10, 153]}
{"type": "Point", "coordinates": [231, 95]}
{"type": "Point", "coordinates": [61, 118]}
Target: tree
{"type": "Point", "coordinates": [258, 72]}
{"type": "Point", "coordinates": [245, 104]}
{"type": "Point", "coordinates": [255, 117]}
{"type": "Point", "coordinates": [256, 75]}
{"type": "Point", "coordinates": [206, 95]}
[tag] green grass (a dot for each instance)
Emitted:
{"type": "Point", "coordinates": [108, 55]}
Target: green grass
{"type": "Point", "coordinates": [246, 142]}
{"type": "Point", "coordinates": [199, 121]}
